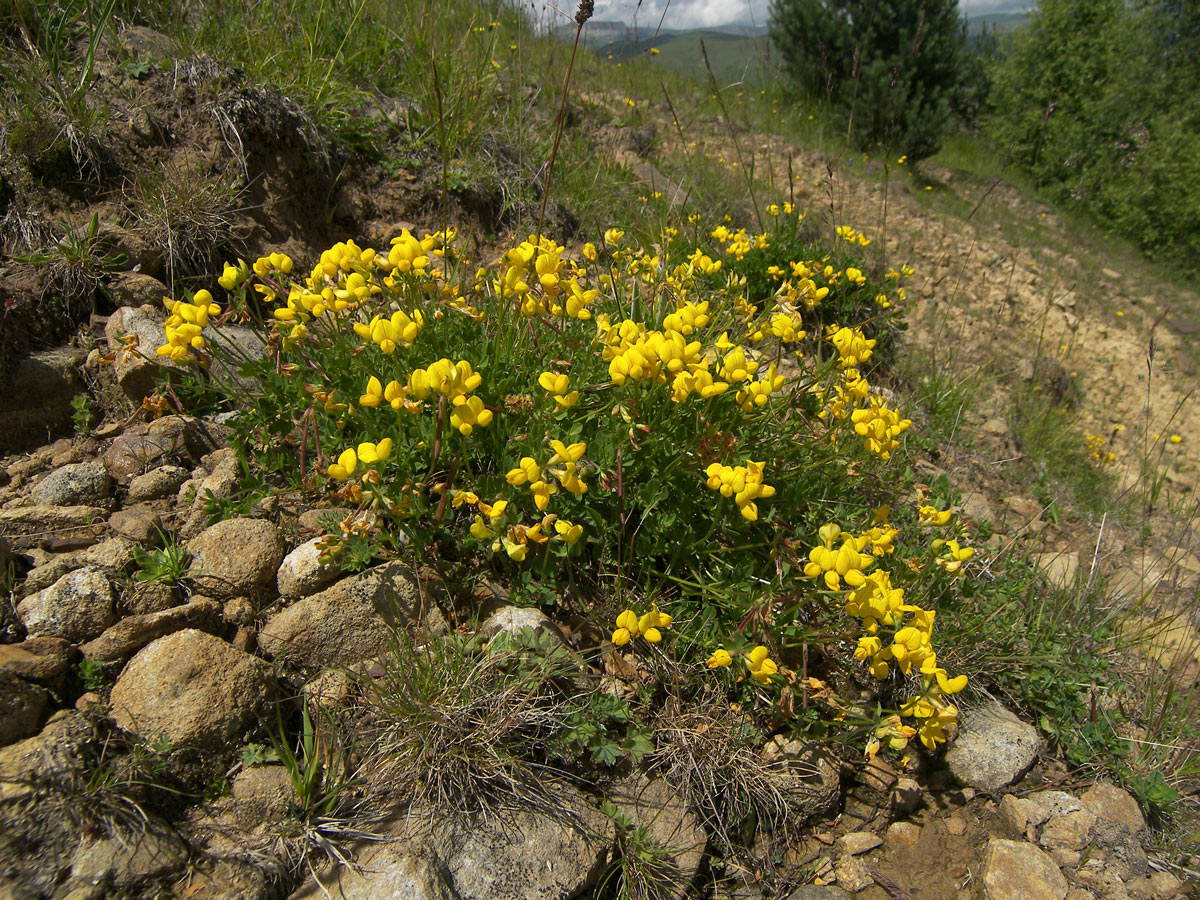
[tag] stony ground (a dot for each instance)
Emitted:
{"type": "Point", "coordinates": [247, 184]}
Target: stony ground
{"type": "Point", "coordinates": [90, 657]}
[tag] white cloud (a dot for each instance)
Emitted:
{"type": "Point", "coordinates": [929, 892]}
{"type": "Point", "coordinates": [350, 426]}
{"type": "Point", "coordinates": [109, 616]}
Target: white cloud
{"type": "Point", "coordinates": [713, 13]}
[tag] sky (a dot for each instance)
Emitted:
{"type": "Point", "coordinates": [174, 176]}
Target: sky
{"type": "Point", "coordinates": [711, 13]}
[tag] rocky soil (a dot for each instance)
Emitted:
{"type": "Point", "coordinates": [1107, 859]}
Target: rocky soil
{"type": "Point", "coordinates": [126, 704]}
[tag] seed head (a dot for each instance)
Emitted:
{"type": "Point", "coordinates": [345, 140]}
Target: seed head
{"type": "Point", "coordinates": [586, 8]}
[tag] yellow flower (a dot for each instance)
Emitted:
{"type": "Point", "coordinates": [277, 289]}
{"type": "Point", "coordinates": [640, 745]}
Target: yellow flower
{"type": "Point", "coordinates": [762, 667]}
{"type": "Point", "coordinates": [650, 623]}
{"type": "Point", "coordinates": [570, 532]}
{"type": "Point", "coordinates": [372, 453]}
{"type": "Point", "coordinates": [470, 414]}
{"type": "Point", "coordinates": [931, 515]}
{"type": "Point", "coordinates": [627, 628]}
{"type": "Point", "coordinates": [344, 467]}
{"type": "Point", "coordinates": [719, 660]}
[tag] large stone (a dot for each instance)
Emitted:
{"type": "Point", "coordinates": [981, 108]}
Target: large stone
{"type": "Point", "coordinates": [132, 633]}
{"type": "Point", "coordinates": [1016, 870]}
{"type": "Point", "coordinates": [191, 688]}
{"type": "Point", "coordinates": [262, 794]}
{"type": "Point", "coordinates": [78, 484]}
{"type": "Point", "coordinates": [547, 851]}
{"type": "Point", "coordinates": [348, 622]}
{"type": "Point", "coordinates": [140, 523]}
{"type": "Point", "coordinates": [133, 335]}
{"type": "Point", "coordinates": [993, 748]}
{"type": "Point", "coordinates": [21, 708]}
{"type": "Point", "coordinates": [157, 483]}
{"type": "Point", "coordinates": [819, 892]}
{"type": "Point", "coordinates": [180, 440]}
{"type": "Point", "coordinates": [651, 804]}
{"type": "Point", "coordinates": [26, 527]}
{"type": "Point", "coordinates": [125, 861]}
{"type": "Point", "coordinates": [35, 405]}
{"type": "Point", "coordinates": [36, 659]}
{"type": "Point", "coordinates": [301, 573]}
{"type": "Point", "coordinates": [1111, 803]}
{"type": "Point", "coordinates": [236, 557]}
{"type": "Point", "coordinates": [77, 607]}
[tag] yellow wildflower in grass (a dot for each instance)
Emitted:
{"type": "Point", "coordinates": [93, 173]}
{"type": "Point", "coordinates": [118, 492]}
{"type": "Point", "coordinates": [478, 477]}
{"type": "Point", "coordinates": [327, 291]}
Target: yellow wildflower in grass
{"type": "Point", "coordinates": [369, 453]}
{"type": "Point", "coordinates": [389, 332]}
{"type": "Point", "coordinates": [627, 628]}
{"type": "Point", "coordinates": [558, 386]}
{"type": "Point", "coordinates": [932, 516]}
{"type": "Point", "coordinates": [568, 532]}
{"type": "Point", "coordinates": [853, 347]}
{"type": "Point", "coordinates": [650, 623]}
{"type": "Point", "coordinates": [762, 667]}
{"type": "Point", "coordinates": [469, 415]}
{"type": "Point", "coordinates": [953, 557]}
{"type": "Point", "coordinates": [837, 563]}
{"type": "Point", "coordinates": [345, 466]}
{"type": "Point", "coordinates": [879, 427]}
{"type": "Point", "coordinates": [232, 276]}
{"type": "Point", "coordinates": [719, 660]}
{"type": "Point", "coordinates": [743, 483]}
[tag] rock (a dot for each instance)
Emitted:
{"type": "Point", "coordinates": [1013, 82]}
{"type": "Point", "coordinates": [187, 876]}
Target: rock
{"type": "Point", "coordinates": [146, 43]}
{"type": "Point", "coordinates": [77, 607]}
{"type": "Point", "coordinates": [1046, 805]}
{"type": "Point", "coordinates": [79, 484]}
{"type": "Point", "coordinates": [1101, 880]}
{"type": "Point", "coordinates": [1016, 870]}
{"type": "Point", "coordinates": [653, 805]}
{"type": "Point", "coordinates": [171, 439]}
{"type": "Point", "coordinates": [156, 484]}
{"type": "Point", "coordinates": [37, 658]}
{"type": "Point", "coordinates": [906, 797]}
{"type": "Point", "coordinates": [995, 426]}
{"type": "Point", "coordinates": [138, 523]}
{"type": "Point", "coordinates": [1059, 568]}
{"type": "Point", "coordinates": [513, 620]}
{"type": "Point", "coordinates": [1014, 813]}
{"type": "Point", "coordinates": [52, 755]}
{"type": "Point", "coordinates": [133, 335]}
{"type": "Point", "coordinates": [1111, 803]}
{"type": "Point", "coordinates": [191, 688]}
{"type": "Point", "coordinates": [129, 635]}
{"type": "Point", "coordinates": [236, 557]}
{"type": "Point", "coordinates": [818, 892]}
{"type": "Point", "coordinates": [903, 834]}
{"type": "Point", "coordinates": [26, 527]}
{"type": "Point", "coordinates": [956, 825]}
{"type": "Point", "coordinates": [857, 842]}
{"type": "Point", "coordinates": [852, 874]}
{"type": "Point", "coordinates": [36, 401]}
{"type": "Point", "coordinates": [533, 853]}
{"type": "Point", "coordinates": [239, 611]}
{"type": "Point", "coordinates": [348, 622]}
{"type": "Point", "coordinates": [977, 508]}
{"type": "Point", "coordinates": [1068, 832]}
{"type": "Point", "coordinates": [301, 573]}
{"type": "Point", "coordinates": [878, 775]}
{"type": "Point", "coordinates": [119, 863]}
{"type": "Point", "coordinates": [262, 794]}
{"type": "Point", "coordinates": [21, 708]}
{"type": "Point", "coordinates": [993, 748]}
{"type": "Point", "coordinates": [152, 598]}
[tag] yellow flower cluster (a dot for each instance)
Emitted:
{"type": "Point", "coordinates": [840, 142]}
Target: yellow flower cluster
{"type": "Point", "coordinates": [649, 626]}
{"type": "Point", "coordinates": [542, 281]}
{"type": "Point", "coordinates": [743, 483]}
{"type": "Point", "coordinates": [879, 427]}
{"type": "Point", "coordinates": [455, 382]}
{"type": "Point", "coordinates": [367, 454]}
{"type": "Point", "coordinates": [835, 563]}
{"type": "Point", "coordinates": [515, 539]}
{"type": "Point", "coordinates": [530, 472]}
{"type": "Point", "coordinates": [908, 647]}
{"type": "Point", "coordinates": [184, 326]}
{"type": "Point", "coordinates": [558, 386]}
{"type": "Point", "coordinates": [853, 347]}
{"type": "Point", "coordinates": [758, 662]}
{"type": "Point", "coordinates": [850, 236]}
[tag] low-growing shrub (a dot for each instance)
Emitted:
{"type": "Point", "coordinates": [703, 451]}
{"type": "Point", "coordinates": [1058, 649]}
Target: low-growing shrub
{"type": "Point", "coordinates": [661, 435]}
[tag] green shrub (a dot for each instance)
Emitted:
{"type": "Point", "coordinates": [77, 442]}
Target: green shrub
{"type": "Point", "coordinates": [896, 69]}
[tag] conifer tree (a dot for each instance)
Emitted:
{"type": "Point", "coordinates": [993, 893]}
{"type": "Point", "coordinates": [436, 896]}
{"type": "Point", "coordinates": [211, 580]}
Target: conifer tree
{"type": "Point", "coordinates": [896, 69]}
